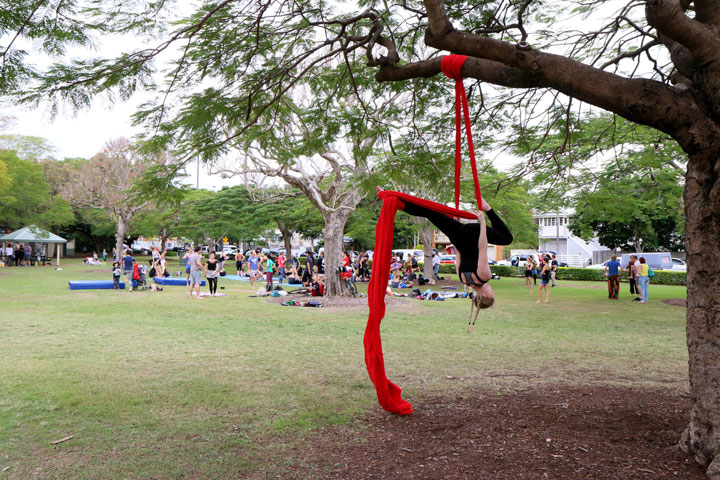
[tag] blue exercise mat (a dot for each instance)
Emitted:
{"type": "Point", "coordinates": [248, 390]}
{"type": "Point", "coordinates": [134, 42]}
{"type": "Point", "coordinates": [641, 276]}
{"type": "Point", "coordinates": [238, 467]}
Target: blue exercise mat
{"type": "Point", "coordinates": [174, 281]}
{"type": "Point", "coordinates": [93, 285]}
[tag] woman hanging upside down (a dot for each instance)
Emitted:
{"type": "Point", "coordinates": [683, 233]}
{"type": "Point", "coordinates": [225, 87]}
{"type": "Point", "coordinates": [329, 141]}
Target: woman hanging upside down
{"type": "Point", "coordinates": [470, 241]}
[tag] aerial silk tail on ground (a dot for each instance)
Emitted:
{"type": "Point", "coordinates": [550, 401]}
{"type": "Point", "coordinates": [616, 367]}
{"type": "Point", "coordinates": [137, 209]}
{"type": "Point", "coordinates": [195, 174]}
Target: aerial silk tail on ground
{"type": "Point", "coordinates": [389, 394]}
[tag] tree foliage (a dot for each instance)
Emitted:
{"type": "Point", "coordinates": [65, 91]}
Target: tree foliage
{"type": "Point", "coordinates": [25, 195]}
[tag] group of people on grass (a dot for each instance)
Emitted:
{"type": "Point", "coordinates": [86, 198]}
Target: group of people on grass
{"type": "Point", "coordinates": [22, 254]}
{"type": "Point", "coordinates": [639, 273]}
{"type": "Point", "coordinates": [135, 274]}
{"type": "Point", "coordinates": [307, 271]}
{"type": "Point", "coordinates": [546, 266]}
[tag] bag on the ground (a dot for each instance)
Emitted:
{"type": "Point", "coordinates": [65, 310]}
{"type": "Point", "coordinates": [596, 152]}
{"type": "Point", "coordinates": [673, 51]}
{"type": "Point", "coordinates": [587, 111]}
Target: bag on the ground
{"type": "Point", "coordinates": [152, 272]}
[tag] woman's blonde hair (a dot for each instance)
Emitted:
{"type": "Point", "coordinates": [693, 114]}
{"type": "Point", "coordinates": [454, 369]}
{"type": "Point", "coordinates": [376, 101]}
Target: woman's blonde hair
{"type": "Point", "coordinates": [481, 301]}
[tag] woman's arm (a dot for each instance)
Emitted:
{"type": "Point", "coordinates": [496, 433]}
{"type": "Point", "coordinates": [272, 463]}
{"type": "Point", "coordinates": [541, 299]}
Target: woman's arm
{"type": "Point", "coordinates": [483, 269]}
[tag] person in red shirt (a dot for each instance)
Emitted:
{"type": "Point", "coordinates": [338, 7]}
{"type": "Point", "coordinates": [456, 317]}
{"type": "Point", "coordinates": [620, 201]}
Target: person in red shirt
{"type": "Point", "coordinates": [281, 267]}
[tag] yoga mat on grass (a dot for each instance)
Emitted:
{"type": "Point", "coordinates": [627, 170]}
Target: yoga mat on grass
{"type": "Point", "coordinates": [93, 285]}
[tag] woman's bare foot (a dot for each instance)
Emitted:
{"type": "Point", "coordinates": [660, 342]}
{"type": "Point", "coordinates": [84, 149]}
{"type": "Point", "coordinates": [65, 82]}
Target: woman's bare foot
{"type": "Point", "coordinates": [378, 189]}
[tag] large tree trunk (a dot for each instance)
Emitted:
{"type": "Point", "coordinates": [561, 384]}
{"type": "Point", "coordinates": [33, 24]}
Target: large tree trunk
{"type": "Point", "coordinates": [426, 238]}
{"type": "Point", "coordinates": [702, 210]}
{"type": "Point", "coordinates": [334, 232]}
{"type": "Point", "coordinates": [120, 231]}
{"type": "Point", "coordinates": [163, 238]}
{"type": "Point", "coordinates": [286, 235]}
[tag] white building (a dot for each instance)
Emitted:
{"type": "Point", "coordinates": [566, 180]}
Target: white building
{"type": "Point", "coordinates": [554, 235]}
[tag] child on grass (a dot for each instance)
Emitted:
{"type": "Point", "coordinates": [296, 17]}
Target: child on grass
{"type": "Point", "coordinates": [116, 275]}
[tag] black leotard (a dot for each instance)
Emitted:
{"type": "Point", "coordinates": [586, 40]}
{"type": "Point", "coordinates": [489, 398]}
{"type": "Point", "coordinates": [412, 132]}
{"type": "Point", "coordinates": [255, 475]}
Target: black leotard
{"type": "Point", "coordinates": [465, 236]}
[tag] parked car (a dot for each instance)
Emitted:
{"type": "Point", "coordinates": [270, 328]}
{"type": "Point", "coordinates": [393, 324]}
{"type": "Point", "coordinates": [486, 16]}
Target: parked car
{"type": "Point", "coordinates": [230, 249]}
{"type": "Point", "coordinates": [263, 250]}
{"type": "Point", "coordinates": [679, 265]}
{"type": "Point", "coordinates": [447, 259]}
{"type": "Point", "coordinates": [520, 260]}
{"type": "Point", "coordinates": [598, 266]}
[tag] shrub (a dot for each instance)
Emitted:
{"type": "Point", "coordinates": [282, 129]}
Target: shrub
{"type": "Point", "coordinates": [506, 270]}
{"type": "Point", "coordinates": [662, 277]}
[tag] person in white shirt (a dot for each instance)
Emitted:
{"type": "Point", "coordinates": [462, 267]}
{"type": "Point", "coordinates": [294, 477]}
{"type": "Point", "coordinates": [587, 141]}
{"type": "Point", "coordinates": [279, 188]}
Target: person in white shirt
{"type": "Point", "coordinates": [436, 265]}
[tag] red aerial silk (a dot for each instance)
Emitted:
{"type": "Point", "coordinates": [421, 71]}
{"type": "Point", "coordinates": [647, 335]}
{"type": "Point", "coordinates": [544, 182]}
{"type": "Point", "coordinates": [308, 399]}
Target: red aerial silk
{"type": "Point", "coordinates": [388, 393]}
{"type": "Point", "coordinates": [451, 66]}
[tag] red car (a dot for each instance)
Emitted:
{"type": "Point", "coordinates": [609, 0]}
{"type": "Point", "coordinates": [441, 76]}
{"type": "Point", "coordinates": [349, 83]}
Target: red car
{"type": "Point", "coordinates": [447, 259]}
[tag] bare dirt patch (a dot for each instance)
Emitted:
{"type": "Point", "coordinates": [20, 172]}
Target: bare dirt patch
{"type": "Point", "coordinates": [677, 302]}
{"type": "Point", "coordinates": [557, 433]}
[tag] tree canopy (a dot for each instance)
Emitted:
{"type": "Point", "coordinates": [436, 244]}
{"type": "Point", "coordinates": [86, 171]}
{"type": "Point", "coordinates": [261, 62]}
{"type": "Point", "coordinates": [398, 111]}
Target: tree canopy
{"type": "Point", "coordinates": [655, 63]}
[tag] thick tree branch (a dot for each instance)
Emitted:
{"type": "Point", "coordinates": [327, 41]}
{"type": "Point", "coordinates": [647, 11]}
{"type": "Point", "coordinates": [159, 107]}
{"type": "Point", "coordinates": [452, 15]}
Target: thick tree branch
{"type": "Point", "coordinates": [484, 70]}
{"type": "Point", "coordinates": [669, 18]}
{"type": "Point", "coordinates": [638, 100]}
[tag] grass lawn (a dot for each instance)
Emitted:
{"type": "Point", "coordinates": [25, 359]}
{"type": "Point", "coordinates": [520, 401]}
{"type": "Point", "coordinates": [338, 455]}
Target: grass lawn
{"type": "Point", "coordinates": [155, 385]}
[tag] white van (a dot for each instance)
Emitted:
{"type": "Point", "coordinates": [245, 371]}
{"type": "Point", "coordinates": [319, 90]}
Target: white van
{"type": "Point", "coordinates": [656, 260]}
{"type": "Point", "coordinates": [229, 249]}
{"type": "Point", "coordinates": [406, 253]}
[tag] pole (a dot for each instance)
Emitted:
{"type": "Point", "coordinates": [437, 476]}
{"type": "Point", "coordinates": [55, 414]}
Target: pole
{"type": "Point", "coordinates": [197, 178]}
{"type": "Point", "coordinates": [557, 231]}
{"type": "Point", "coordinates": [57, 247]}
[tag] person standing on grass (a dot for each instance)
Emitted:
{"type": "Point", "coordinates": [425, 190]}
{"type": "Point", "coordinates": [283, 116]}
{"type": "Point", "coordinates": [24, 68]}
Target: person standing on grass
{"type": "Point", "coordinates": [643, 279]}
{"type": "Point", "coordinates": [196, 269]}
{"type": "Point", "coordinates": [116, 275]}
{"type": "Point", "coordinates": [612, 271]}
{"type": "Point", "coordinates": [544, 281]}
{"type": "Point", "coordinates": [254, 266]}
{"type": "Point", "coordinates": [128, 261]}
{"type": "Point", "coordinates": [269, 266]}
{"type": "Point", "coordinates": [104, 255]}
{"type": "Point", "coordinates": [281, 267]}
{"type": "Point", "coordinates": [239, 262]}
{"type": "Point", "coordinates": [636, 271]}
{"type": "Point", "coordinates": [212, 272]}
{"type": "Point", "coordinates": [631, 275]}
{"type": "Point", "coordinates": [307, 276]}
{"type": "Point", "coordinates": [320, 263]}
{"type": "Point", "coordinates": [529, 268]}
{"type": "Point", "coordinates": [186, 257]}
{"type": "Point", "coordinates": [553, 270]}
{"type": "Point", "coordinates": [436, 265]}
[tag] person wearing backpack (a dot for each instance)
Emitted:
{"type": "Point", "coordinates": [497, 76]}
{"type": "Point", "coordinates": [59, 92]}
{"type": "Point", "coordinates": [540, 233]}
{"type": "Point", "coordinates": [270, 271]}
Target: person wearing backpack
{"type": "Point", "coordinates": [644, 279]}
